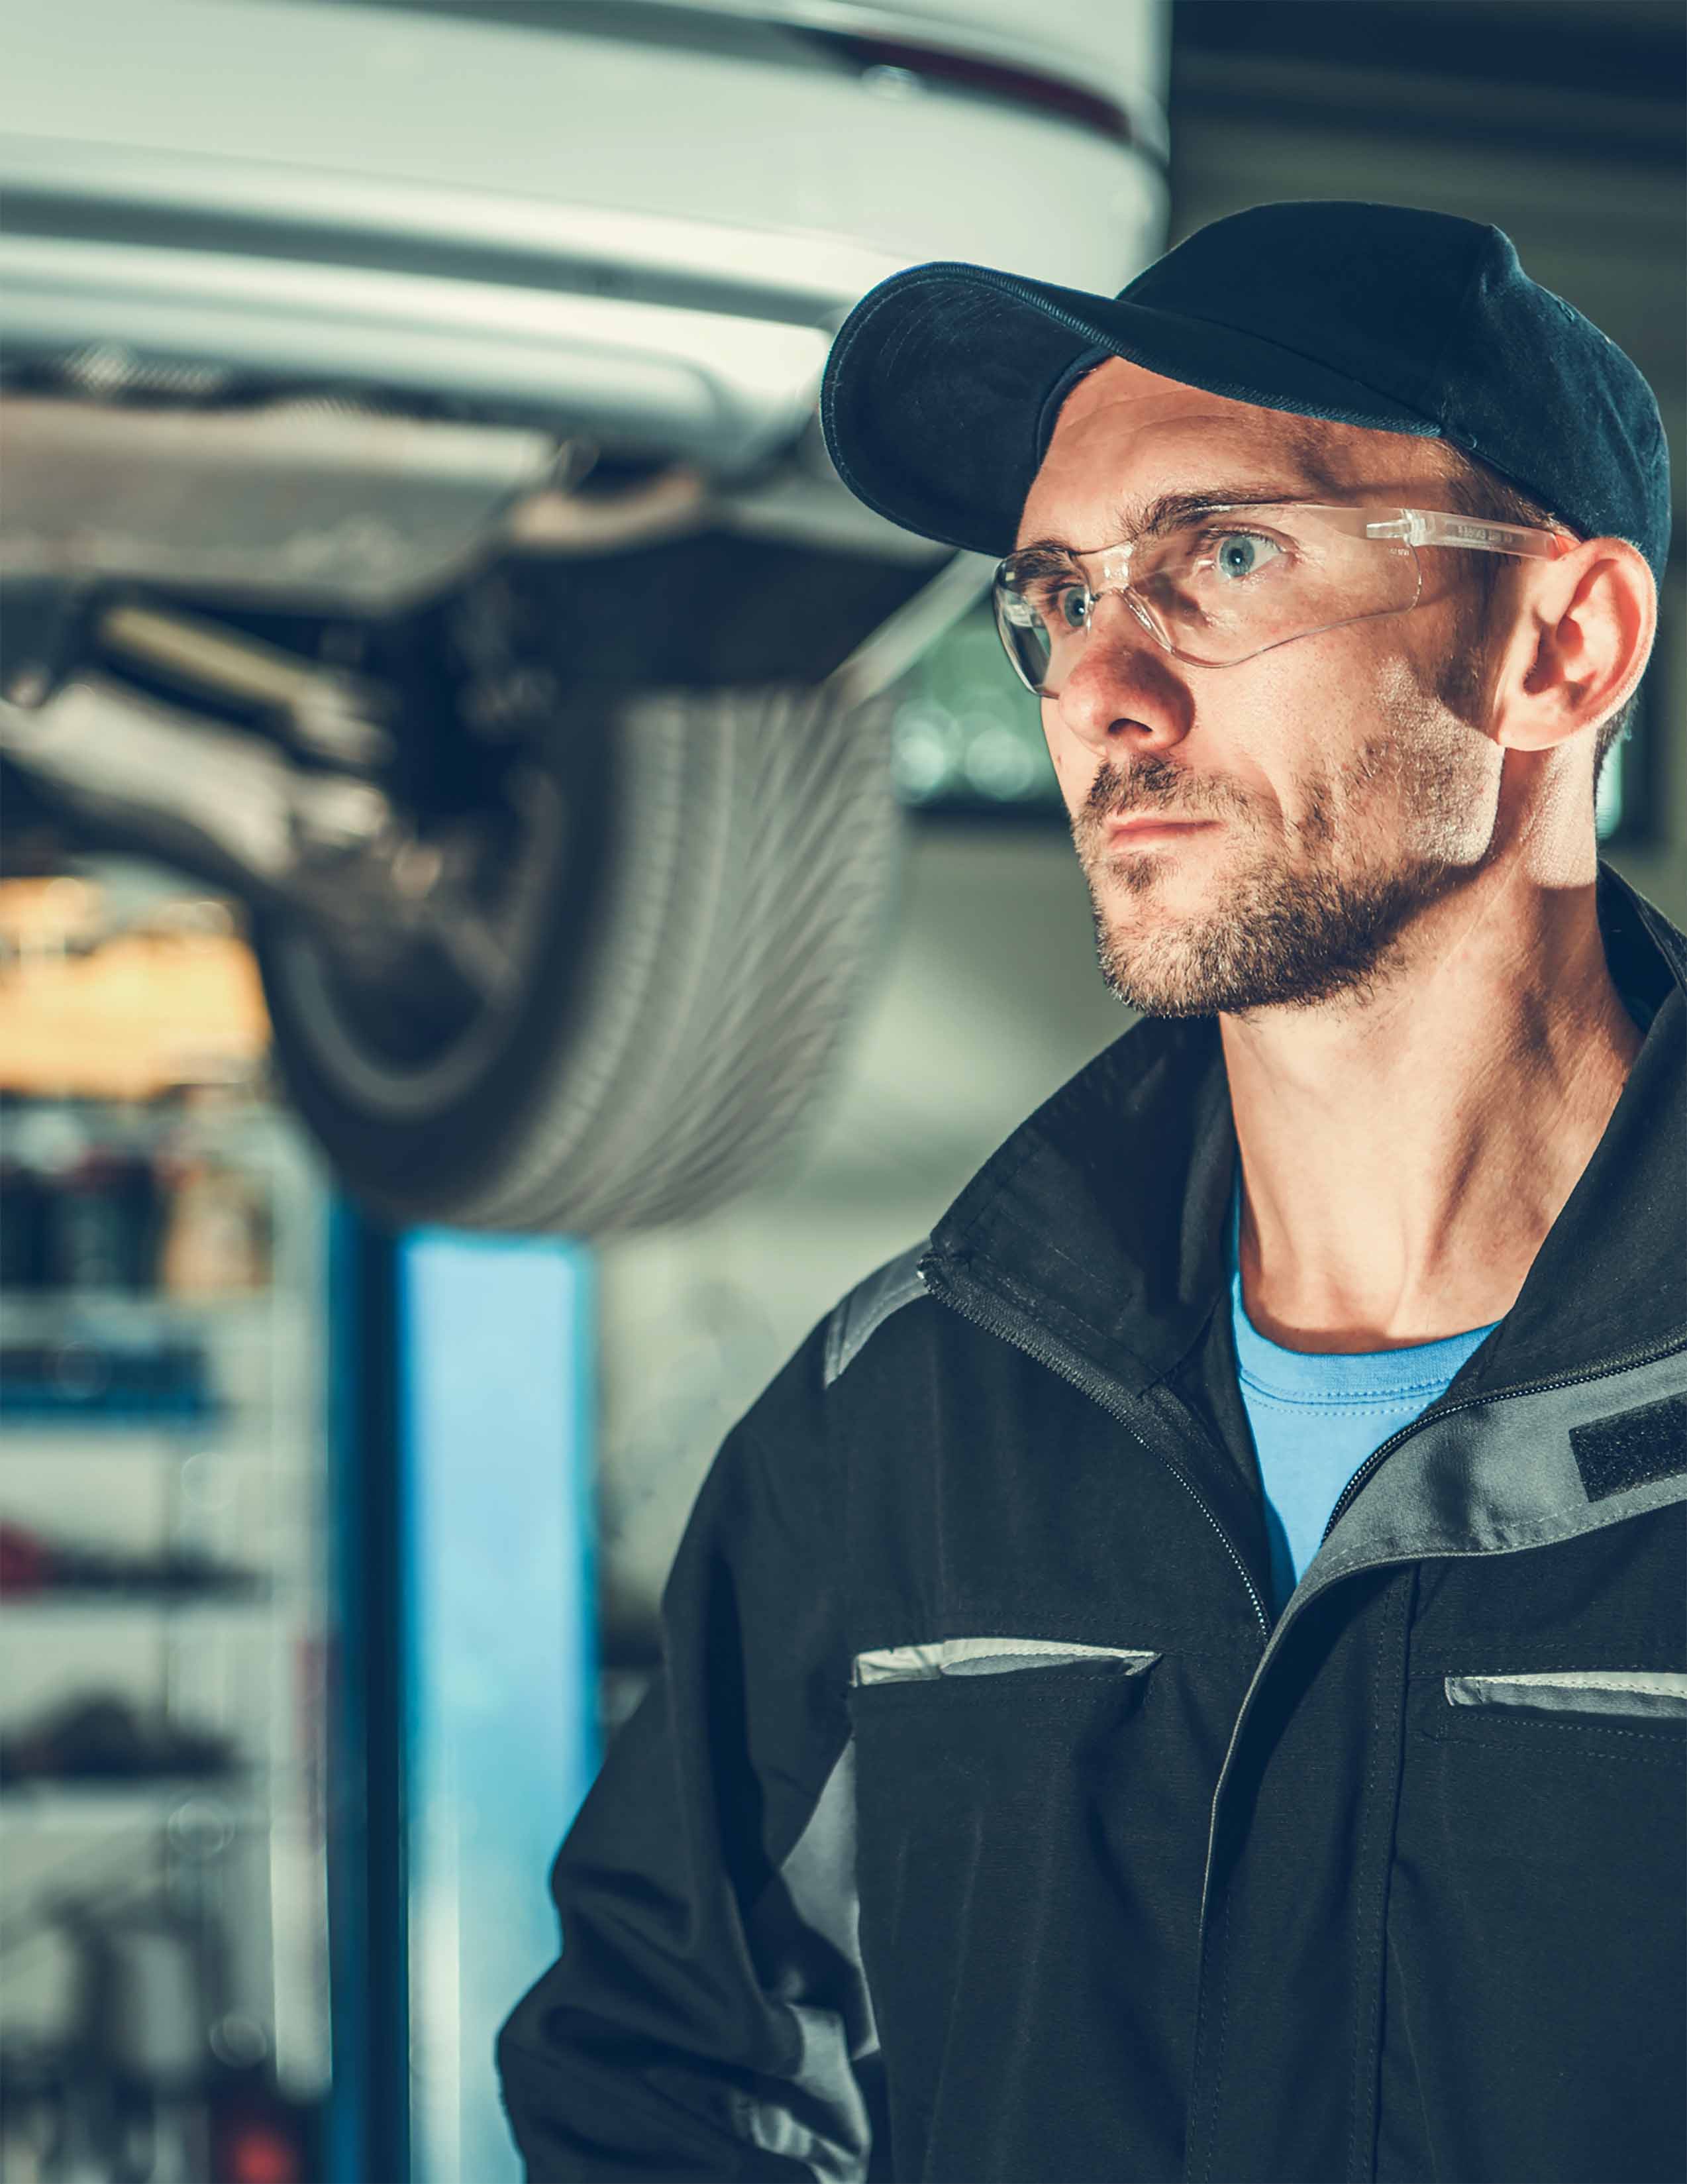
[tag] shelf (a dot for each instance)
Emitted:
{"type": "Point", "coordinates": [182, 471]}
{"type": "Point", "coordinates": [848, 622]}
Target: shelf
{"type": "Point", "coordinates": [58, 1440]}
{"type": "Point", "coordinates": [103, 1804]}
{"type": "Point", "coordinates": [260, 1127]}
{"type": "Point", "coordinates": [251, 1671]}
{"type": "Point", "coordinates": [70, 1602]}
{"type": "Point", "coordinates": [42, 1315]}
{"type": "Point", "coordinates": [55, 1428]}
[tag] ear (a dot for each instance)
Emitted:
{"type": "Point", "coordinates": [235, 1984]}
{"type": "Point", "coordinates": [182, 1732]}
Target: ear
{"type": "Point", "coordinates": [1581, 634]}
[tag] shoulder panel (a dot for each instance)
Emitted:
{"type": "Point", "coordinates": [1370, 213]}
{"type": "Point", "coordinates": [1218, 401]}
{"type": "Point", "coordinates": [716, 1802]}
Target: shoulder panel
{"type": "Point", "coordinates": [870, 1304]}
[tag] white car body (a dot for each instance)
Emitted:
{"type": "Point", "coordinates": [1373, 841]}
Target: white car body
{"type": "Point", "coordinates": [642, 222]}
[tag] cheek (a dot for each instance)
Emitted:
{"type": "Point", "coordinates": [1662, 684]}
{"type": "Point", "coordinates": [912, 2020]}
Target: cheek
{"type": "Point", "coordinates": [1314, 705]}
{"type": "Point", "coordinates": [1075, 765]}
{"type": "Point", "coordinates": [1076, 769]}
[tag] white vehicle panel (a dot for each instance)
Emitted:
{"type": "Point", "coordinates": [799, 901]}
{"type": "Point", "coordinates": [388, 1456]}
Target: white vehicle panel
{"type": "Point", "coordinates": [251, 100]}
{"type": "Point", "coordinates": [624, 237]}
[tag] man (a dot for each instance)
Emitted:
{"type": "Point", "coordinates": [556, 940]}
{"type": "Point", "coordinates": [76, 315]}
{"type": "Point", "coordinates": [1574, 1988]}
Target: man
{"type": "Point", "coordinates": [1184, 1675]}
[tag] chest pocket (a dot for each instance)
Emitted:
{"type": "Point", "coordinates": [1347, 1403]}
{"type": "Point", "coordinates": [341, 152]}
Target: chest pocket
{"type": "Point", "coordinates": [985, 1657]}
{"type": "Point", "coordinates": [1641, 1710]}
{"type": "Point", "coordinates": [1002, 1916]}
{"type": "Point", "coordinates": [1635, 1694]}
{"type": "Point", "coordinates": [1029, 1846]}
{"type": "Point", "coordinates": [982, 1766]}
{"type": "Point", "coordinates": [1540, 1931]}
{"type": "Point", "coordinates": [985, 1769]}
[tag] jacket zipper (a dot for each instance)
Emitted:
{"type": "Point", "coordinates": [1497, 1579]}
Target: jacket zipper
{"type": "Point", "coordinates": [974, 1303]}
{"type": "Point", "coordinates": [1467, 1402]}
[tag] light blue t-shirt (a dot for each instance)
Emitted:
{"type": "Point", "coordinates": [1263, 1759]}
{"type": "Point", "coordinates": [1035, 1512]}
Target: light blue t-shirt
{"type": "Point", "coordinates": [1316, 1416]}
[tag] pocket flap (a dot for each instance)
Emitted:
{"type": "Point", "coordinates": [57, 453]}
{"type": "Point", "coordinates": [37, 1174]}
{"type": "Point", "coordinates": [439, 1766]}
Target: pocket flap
{"type": "Point", "coordinates": [984, 1657]}
{"type": "Point", "coordinates": [1640, 1694]}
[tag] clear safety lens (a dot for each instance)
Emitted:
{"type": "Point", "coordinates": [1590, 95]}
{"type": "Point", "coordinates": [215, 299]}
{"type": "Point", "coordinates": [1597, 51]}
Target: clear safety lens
{"type": "Point", "coordinates": [1218, 589]}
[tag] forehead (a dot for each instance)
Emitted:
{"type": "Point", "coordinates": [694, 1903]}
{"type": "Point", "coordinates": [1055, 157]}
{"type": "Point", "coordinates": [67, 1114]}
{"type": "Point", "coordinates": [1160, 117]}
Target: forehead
{"type": "Point", "coordinates": [1125, 434]}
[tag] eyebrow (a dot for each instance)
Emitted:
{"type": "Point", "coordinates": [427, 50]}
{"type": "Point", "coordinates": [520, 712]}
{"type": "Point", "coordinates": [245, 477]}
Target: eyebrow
{"type": "Point", "coordinates": [1153, 518]}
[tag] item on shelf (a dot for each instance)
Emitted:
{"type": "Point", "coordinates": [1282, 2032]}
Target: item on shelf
{"type": "Point", "coordinates": [99, 1011]}
{"type": "Point", "coordinates": [146, 1985]}
{"type": "Point", "coordinates": [258, 2135]}
{"type": "Point", "coordinates": [102, 1224]}
{"type": "Point", "coordinates": [142, 2000]}
{"type": "Point", "coordinates": [41, 2137]}
{"type": "Point", "coordinates": [25, 1562]}
{"type": "Point", "coordinates": [114, 1381]}
{"type": "Point", "coordinates": [31, 1565]}
{"type": "Point", "coordinates": [216, 1233]}
{"type": "Point", "coordinates": [105, 1739]}
{"type": "Point", "coordinates": [140, 2083]}
{"type": "Point", "coordinates": [86, 1207]}
{"type": "Point", "coordinates": [24, 1203]}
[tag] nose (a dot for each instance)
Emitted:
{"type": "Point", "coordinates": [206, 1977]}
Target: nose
{"type": "Point", "coordinates": [1121, 685]}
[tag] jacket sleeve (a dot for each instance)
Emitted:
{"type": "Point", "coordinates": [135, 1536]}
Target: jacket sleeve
{"type": "Point", "coordinates": [708, 2014]}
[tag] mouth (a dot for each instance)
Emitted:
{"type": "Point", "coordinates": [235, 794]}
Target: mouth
{"type": "Point", "coordinates": [1150, 828]}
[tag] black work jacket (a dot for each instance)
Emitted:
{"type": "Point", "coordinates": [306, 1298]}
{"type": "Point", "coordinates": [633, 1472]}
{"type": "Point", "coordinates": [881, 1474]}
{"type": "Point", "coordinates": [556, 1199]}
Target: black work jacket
{"type": "Point", "coordinates": [981, 1822]}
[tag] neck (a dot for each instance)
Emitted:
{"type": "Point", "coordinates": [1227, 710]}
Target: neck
{"type": "Point", "coordinates": [1404, 1157]}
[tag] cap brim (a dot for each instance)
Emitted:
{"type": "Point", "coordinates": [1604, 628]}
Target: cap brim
{"type": "Point", "coordinates": [941, 387]}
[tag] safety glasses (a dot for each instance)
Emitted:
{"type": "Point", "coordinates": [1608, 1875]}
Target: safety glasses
{"type": "Point", "coordinates": [1235, 581]}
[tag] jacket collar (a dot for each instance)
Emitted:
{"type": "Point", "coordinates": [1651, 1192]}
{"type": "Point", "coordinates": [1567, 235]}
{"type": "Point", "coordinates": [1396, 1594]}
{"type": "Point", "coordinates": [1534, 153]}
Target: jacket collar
{"type": "Point", "coordinates": [1102, 1216]}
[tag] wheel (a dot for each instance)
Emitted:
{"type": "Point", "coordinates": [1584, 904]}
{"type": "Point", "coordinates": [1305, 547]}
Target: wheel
{"type": "Point", "coordinates": [652, 949]}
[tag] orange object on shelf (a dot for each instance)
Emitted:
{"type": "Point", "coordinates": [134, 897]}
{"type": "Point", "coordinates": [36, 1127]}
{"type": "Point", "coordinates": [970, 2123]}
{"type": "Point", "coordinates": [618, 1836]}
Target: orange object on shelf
{"type": "Point", "coordinates": [125, 1017]}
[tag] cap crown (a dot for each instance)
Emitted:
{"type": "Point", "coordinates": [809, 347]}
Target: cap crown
{"type": "Point", "coordinates": [1437, 316]}
{"type": "Point", "coordinates": [944, 382]}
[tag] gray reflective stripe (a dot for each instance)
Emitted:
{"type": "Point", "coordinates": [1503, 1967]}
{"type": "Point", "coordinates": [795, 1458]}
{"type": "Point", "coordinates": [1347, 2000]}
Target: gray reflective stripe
{"type": "Point", "coordinates": [869, 1305]}
{"type": "Point", "coordinates": [1641, 1694]}
{"type": "Point", "coordinates": [803, 1939]}
{"type": "Point", "coordinates": [975, 1656]}
{"type": "Point", "coordinates": [1501, 1476]}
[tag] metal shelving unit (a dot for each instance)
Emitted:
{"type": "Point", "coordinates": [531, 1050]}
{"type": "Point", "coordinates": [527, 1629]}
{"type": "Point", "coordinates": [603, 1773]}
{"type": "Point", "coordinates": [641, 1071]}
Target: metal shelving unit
{"type": "Point", "coordinates": [244, 1485]}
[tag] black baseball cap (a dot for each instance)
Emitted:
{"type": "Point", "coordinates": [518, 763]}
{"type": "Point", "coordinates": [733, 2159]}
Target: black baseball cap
{"type": "Point", "coordinates": [944, 384]}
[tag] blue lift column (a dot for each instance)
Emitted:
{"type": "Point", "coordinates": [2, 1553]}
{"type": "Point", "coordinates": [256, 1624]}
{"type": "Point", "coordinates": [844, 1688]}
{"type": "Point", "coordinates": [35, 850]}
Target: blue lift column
{"type": "Point", "coordinates": [497, 1350]}
{"type": "Point", "coordinates": [478, 1675]}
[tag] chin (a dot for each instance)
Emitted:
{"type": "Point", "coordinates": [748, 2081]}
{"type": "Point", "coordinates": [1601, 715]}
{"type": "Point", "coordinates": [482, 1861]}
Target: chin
{"type": "Point", "coordinates": [1148, 874]}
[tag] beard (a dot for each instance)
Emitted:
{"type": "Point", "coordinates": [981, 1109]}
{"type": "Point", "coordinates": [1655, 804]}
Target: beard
{"type": "Point", "coordinates": [1302, 919]}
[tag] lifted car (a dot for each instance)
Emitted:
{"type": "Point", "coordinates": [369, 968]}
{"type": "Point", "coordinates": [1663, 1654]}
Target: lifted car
{"type": "Point", "coordinates": [415, 523]}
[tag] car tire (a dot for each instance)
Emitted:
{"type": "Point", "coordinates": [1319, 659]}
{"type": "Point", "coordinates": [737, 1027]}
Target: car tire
{"type": "Point", "coordinates": [715, 888]}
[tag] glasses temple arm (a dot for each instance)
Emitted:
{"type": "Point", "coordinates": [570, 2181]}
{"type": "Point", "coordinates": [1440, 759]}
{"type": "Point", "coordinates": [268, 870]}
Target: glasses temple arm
{"type": "Point", "coordinates": [1433, 527]}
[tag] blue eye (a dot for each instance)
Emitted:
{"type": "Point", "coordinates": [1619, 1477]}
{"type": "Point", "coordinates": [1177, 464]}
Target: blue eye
{"type": "Point", "coordinates": [1238, 554]}
{"type": "Point", "coordinates": [1072, 605]}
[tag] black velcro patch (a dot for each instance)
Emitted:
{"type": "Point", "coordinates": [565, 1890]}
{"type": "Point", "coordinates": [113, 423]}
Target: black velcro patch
{"type": "Point", "coordinates": [1631, 1448]}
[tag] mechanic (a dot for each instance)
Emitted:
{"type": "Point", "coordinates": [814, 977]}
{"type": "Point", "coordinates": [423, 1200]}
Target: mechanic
{"type": "Point", "coordinates": [1183, 1674]}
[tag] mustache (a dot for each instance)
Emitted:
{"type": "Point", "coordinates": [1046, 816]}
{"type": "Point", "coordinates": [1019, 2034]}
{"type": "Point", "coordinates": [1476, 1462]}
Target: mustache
{"type": "Point", "coordinates": [1154, 792]}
